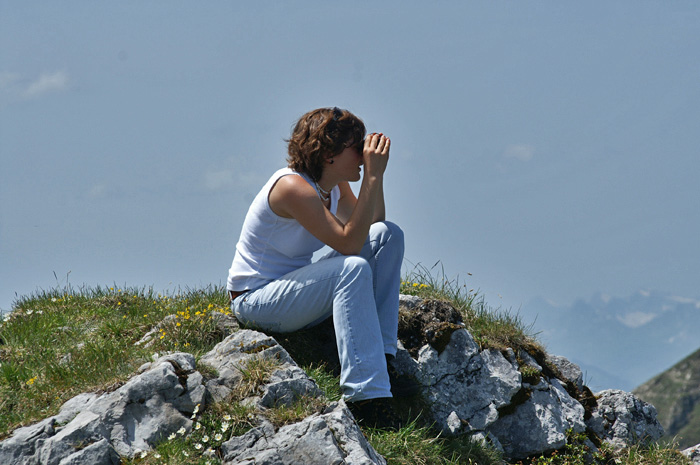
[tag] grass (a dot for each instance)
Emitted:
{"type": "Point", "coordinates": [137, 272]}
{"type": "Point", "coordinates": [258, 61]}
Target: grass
{"type": "Point", "coordinates": [493, 328]}
{"type": "Point", "coordinates": [59, 343]}
{"type": "Point", "coordinates": [419, 445]}
{"type": "Point", "coordinates": [62, 342]}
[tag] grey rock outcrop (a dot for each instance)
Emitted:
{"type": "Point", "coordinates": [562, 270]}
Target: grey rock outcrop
{"type": "Point", "coordinates": [330, 438]}
{"type": "Point", "coordinates": [482, 393]}
{"type": "Point", "coordinates": [162, 398]}
{"type": "Point", "coordinates": [464, 387]}
{"type": "Point", "coordinates": [485, 394]}
{"type": "Point", "coordinates": [622, 419]}
{"type": "Point", "coordinates": [287, 382]}
{"type": "Point", "coordinates": [141, 412]}
{"type": "Point", "coordinates": [569, 370]}
{"type": "Point", "coordinates": [541, 422]}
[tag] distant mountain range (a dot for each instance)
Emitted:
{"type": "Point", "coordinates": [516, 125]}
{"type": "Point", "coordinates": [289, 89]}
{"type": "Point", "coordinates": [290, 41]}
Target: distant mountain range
{"type": "Point", "coordinates": [619, 342]}
{"type": "Point", "coordinates": [676, 395]}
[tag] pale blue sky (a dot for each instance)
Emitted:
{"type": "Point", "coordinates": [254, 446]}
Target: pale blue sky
{"type": "Point", "coordinates": [548, 148]}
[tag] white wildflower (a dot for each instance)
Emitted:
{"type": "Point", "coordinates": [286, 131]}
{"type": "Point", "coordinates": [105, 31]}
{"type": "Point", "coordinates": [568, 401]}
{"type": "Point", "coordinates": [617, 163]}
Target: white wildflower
{"type": "Point", "coordinates": [185, 453]}
{"type": "Point", "coordinates": [227, 417]}
{"type": "Point", "coordinates": [171, 437]}
{"type": "Point", "coordinates": [218, 437]}
{"type": "Point", "coordinates": [197, 426]}
{"type": "Point", "coordinates": [225, 426]}
{"type": "Point", "coordinates": [144, 454]}
{"type": "Point", "coordinates": [198, 446]}
{"type": "Point", "coordinates": [181, 431]}
{"type": "Point", "coordinates": [205, 438]}
{"type": "Point", "coordinates": [157, 455]}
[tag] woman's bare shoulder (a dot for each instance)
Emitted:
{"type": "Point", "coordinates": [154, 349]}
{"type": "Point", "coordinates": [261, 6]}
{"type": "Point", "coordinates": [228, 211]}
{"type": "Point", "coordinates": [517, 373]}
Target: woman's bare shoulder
{"type": "Point", "coordinates": [287, 192]}
{"type": "Point", "coordinates": [292, 184]}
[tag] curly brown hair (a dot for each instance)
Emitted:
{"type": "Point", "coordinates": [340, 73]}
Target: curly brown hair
{"type": "Point", "coordinates": [321, 134]}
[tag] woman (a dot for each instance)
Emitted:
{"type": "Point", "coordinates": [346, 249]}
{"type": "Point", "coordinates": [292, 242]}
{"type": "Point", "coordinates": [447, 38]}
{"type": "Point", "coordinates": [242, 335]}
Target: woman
{"type": "Point", "coordinates": [275, 286]}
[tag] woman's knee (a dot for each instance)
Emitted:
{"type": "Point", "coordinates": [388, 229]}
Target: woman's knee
{"type": "Point", "coordinates": [386, 231]}
{"type": "Point", "coordinates": [356, 263]}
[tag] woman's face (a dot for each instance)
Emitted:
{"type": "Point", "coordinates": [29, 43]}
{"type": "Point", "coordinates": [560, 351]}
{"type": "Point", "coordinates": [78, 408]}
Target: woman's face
{"type": "Point", "coordinates": [347, 163]}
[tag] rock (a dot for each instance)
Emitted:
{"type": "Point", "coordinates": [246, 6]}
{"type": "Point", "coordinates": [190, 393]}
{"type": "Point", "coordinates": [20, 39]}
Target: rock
{"type": "Point", "coordinates": [134, 417]}
{"type": "Point", "coordinates": [529, 360]}
{"type": "Point", "coordinates": [693, 453]}
{"type": "Point", "coordinates": [464, 388]}
{"type": "Point", "coordinates": [21, 447]}
{"type": "Point", "coordinates": [622, 419]}
{"type": "Point", "coordinates": [225, 324]}
{"type": "Point", "coordinates": [569, 370]}
{"type": "Point", "coordinates": [540, 422]}
{"type": "Point", "coordinates": [409, 301]}
{"type": "Point", "coordinates": [488, 440]}
{"type": "Point", "coordinates": [96, 453]}
{"type": "Point", "coordinates": [331, 438]}
{"type": "Point", "coordinates": [286, 384]}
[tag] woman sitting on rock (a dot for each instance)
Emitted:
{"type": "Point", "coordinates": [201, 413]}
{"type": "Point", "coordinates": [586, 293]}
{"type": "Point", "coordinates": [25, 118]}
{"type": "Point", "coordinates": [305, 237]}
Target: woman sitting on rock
{"type": "Point", "coordinates": [275, 286]}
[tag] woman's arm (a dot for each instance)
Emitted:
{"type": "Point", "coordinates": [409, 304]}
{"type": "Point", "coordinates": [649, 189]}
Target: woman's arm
{"type": "Point", "coordinates": [347, 202]}
{"type": "Point", "coordinates": [379, 208]}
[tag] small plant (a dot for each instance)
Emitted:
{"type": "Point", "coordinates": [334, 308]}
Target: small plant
{"type": "Point", "coordinates": [327, 382]}
{"type": "Point", "coordinates": [416, 445]}
{"type": "Point", "coordinates": [576, 452]}
{"type": "Point", "coordinates": [202, 443]}
{"type": "Point", "coordinates": [652, 454]}
{"type": "Point", "coordinates": [254, 373]}
{"type": "Point", "coordinates": [425, 283]}
{"type": "Point", "coordinates": [531, 375]}
{"type": "Point", "coordinates": [303, 407]}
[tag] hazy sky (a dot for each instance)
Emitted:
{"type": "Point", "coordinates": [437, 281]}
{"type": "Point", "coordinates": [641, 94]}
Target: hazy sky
{"type": "Point", "coordinates": [548, 148]}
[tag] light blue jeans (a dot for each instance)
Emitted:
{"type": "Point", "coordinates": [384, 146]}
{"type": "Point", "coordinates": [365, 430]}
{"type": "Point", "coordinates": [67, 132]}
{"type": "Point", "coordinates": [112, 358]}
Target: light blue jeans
{"type": "Point", "coordinates": [362, 294]}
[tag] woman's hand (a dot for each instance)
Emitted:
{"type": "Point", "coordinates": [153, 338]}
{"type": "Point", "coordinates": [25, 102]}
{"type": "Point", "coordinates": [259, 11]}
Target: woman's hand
{"type": "Point", "coordinates": [375, 154]}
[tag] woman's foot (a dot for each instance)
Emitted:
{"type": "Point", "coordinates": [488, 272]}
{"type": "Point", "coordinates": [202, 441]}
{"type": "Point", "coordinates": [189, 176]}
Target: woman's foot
{"type": "Point", "coordinates": [376, 413]}
{"type": "Point", "coordinates": [401, 385]}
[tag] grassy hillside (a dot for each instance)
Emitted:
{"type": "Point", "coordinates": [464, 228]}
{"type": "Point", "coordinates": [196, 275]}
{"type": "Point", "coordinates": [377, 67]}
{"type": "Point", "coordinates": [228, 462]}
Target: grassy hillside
{"type": "Point", "coordinates": [59, 343]}
{"type": "Point", "coordinates": [676, 395]}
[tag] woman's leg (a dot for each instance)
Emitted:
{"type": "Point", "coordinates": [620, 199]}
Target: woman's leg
{"type": "Point", "coordinates": [384, 250]}
{"type": "Point", "coordinates": [343, 286]}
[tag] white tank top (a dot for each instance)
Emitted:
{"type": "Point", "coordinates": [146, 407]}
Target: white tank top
{"type": "Point", "coordinates": [271, 246]}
